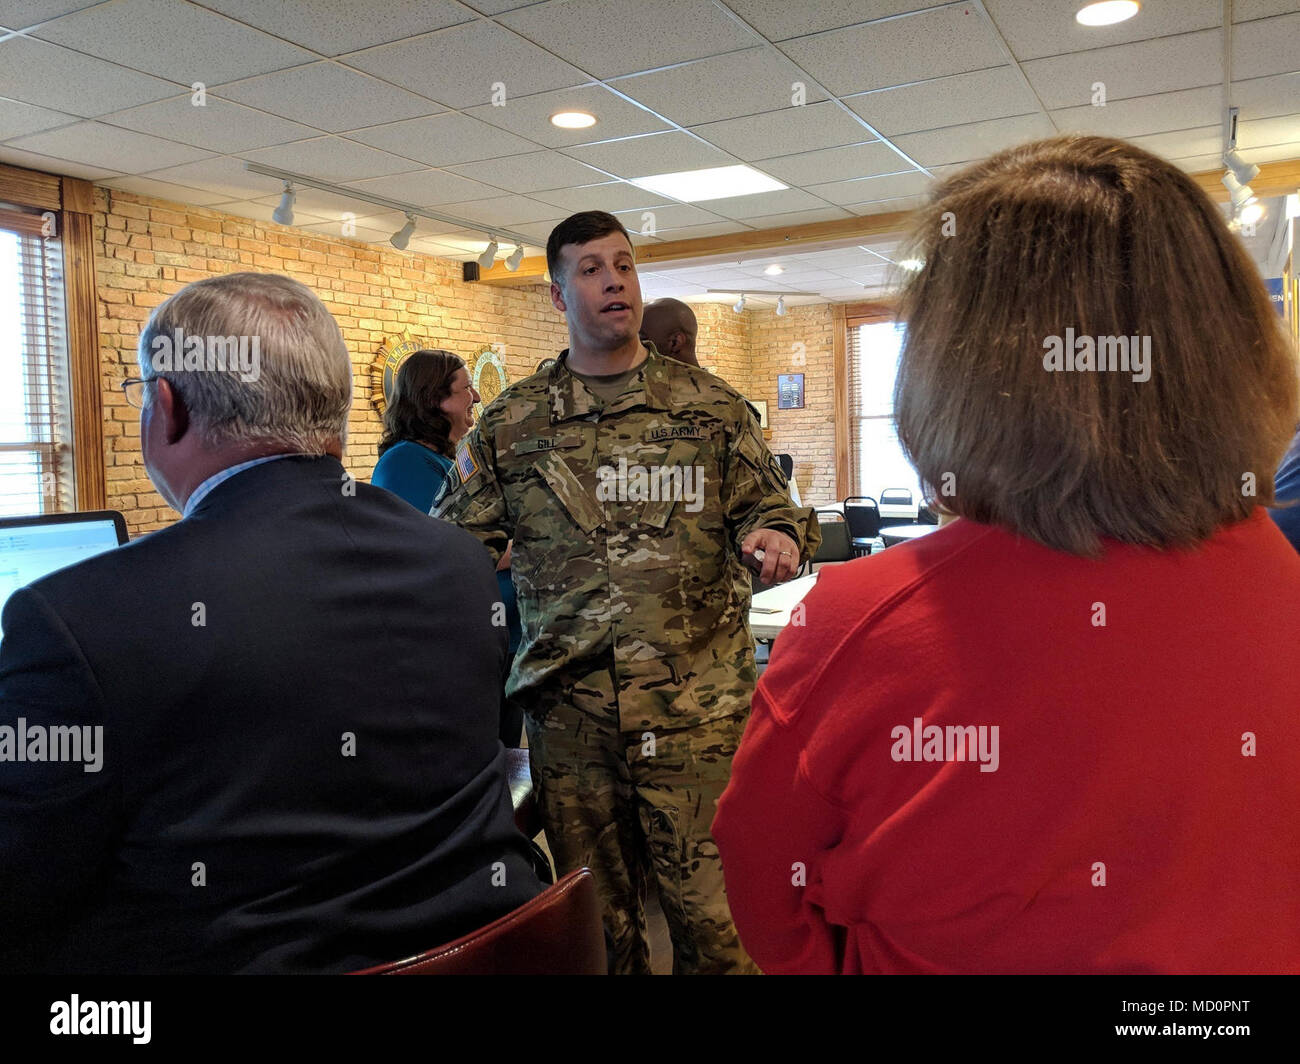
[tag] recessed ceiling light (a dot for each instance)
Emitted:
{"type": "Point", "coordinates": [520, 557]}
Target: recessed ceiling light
{"type": "Point", "coordinates": [573, 119]}
{"type": "Point", "coordinates": [774, 269]}
{"type": "Point", "coordinates": [718, 182]}
{"type": "Point", "coordinates": [1107, 13]}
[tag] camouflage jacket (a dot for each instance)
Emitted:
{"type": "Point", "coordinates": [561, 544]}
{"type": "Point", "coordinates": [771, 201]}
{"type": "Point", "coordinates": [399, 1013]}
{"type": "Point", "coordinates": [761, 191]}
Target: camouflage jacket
{"type": "Point", "coordinates": [627, 520]}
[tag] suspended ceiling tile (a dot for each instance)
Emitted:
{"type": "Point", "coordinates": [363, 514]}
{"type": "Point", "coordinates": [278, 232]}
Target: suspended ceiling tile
{"type": "Point", "coordinates": [1267, 46]}
{"type": "Point", "coordinates": [218, 125]}
{"type": "Point", "coordinates": [461, 66]}
{"type": "Point", "coordinates": [611, 196]}
{"type": "Point", "coordinates": [1141, 115]}
{"type": "Point", "coordinates": [164, 190]}
{"type": "Point", "coordinates": [1037, 28]}
{"type": "Point", "coordinates": [532, 172]}
{"type": "Point", "coordinates": [425, 188]}
{"type": "Point", "coordinates": [504, 211]}
{"type": "Point", "coordinates": [794, 129]}
{"type": "Point", "coordinates": [224, 175]}
{"type": "Point", "coordinates": [998, 92]}
{"type": "Point", "coordinates": [656, 153]}
{"type": "Point", "coordinates": [96, 144]}
{"type": "Point", "coordinates": [1278, 94]}
{"type": "Point", "coordinates": [1139, 69]}
{"type": "Point", "coordinates": [974, 141]}
{"type": "Point", "coordinates": [792, 219]}
{"type": "Point", "coordinates": [329, 97]}
{"type": "Point", "coordinates": [928, 44]}
{"type": "Point", "coordinates": [632, 35]}
{"type": "Point", "coordinates": [26, 14]}
{"type": "Point", "coordinates": [178, 41]}
{"type": "Point", "coordinates": [46, 75]}
{"type": "Point", "coordinates": [334, 26]}
{"type": "Point", "coordinates": [762, 203]}
{"type": "Point", "coordinates": [35, 161]}
{"type": "Point", "coordinates": [834, 164]}
{"type": "Point", "coordinates": [443, 140]}
{"type": "Point", "coordinates": [889, 186]}
{"type": "Point", "coordinates": [724, 86]}
{"type": "Point", "coordinates": [780, 19]}
{"type": "Point", "coordinates": [1182, 142]}
{"type": "Point", "coordinates": [18, 119]}
{"type": "Point", "coordinates": [530, 116]}
{"type": "Point", "coordinates": [331, 159]}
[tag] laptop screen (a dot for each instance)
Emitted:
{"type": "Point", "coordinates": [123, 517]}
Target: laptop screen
{"type": "Point", "coordinates": [30, 547]}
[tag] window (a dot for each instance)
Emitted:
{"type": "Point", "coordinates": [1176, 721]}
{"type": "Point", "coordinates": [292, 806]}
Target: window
{"type": "Point", "coordinates": [876, 459]}
{"type": "Point", "coordinates": [36, 474]}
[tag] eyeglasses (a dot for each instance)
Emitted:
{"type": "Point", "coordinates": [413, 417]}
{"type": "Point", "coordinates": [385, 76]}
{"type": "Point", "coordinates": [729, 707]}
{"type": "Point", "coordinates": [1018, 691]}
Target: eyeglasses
{"type": "Point", "coordinates": [133, 389]}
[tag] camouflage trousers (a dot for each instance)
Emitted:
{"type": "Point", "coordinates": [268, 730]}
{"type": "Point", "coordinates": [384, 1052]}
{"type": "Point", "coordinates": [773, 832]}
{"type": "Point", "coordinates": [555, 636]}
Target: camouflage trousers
{"type": "Point", "coordinates": [628, 807]}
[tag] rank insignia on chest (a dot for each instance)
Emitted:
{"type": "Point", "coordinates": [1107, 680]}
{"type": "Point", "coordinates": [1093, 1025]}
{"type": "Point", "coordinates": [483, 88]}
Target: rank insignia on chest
{"type": "Point", "coordinates": [466, 467]}
{"type": "Point", "coordinates": [676, 432]}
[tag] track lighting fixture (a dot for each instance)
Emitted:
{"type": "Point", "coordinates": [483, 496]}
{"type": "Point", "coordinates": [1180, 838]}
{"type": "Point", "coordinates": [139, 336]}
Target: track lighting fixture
{"type": "Point", "coordinates": [283, 214]}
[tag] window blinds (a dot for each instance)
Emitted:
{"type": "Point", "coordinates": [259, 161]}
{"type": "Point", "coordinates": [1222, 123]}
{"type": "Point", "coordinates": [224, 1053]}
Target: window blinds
{"type": "Point", "coordinates": [36, 471]}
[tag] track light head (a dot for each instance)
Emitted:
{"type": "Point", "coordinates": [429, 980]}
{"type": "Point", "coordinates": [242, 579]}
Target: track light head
{"type": "Point", "coordinates": [489, 255]}
{"type": "Point", "coordinates": [1240, 194]}
{"type": "Point", "coordinates": [1241, 170]}
{"type": "Point", "coordinates": [516, 257]}
{"type": "Point", "coordinates": [283, 214]}
{"type": "Point", "coordinates": [402, 237]}
{"type": "Point", "coordinates": [780, 306]}
{"type": "Point", "coordinates": [740, 303]}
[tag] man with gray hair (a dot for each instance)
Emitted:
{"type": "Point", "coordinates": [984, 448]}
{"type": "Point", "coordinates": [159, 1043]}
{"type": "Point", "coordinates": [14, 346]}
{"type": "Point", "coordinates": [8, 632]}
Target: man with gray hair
{"type": "Point", "coordinates": [297, 685]}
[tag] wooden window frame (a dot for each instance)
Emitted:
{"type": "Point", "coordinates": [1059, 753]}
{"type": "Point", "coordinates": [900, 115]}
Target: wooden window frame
{"type": "Point", "coordinates": [73, 204]}
{"type": "Point", "coordinates": [846, 316]}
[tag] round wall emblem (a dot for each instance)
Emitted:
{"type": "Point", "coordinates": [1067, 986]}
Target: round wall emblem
{"type": "Point", "coordinates": [383, 371]}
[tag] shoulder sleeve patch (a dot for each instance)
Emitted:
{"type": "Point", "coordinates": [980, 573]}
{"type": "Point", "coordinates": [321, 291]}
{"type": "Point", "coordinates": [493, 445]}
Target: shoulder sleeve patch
{"type": "Point", "coordinates": [466, 465]}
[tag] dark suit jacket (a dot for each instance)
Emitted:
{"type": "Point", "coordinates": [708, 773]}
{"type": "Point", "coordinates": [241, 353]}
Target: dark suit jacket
{"type": "Point", "coordinates": [230, 659]}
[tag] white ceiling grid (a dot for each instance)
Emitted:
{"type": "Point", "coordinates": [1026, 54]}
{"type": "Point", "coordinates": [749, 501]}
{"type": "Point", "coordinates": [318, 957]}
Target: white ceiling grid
{"type": "Point", "coordinates": [394, 98]}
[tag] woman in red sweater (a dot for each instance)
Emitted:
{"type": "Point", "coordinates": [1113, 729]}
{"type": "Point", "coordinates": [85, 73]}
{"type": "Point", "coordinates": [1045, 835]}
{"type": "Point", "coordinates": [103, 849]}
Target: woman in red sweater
{"type": "Point", "coordinates": [1059, 734]}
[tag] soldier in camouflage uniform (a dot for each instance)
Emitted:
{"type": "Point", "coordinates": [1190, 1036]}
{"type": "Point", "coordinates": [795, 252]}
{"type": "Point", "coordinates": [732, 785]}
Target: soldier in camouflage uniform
{"type": "Point", "coordinates": [630, 500]}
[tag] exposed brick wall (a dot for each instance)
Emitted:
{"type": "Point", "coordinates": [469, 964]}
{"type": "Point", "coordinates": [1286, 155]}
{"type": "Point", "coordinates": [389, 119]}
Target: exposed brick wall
{"type": "Point", "coordinates": [723, 344]}
{"type": "Point", "coordinates": [147, 249]}
{"type": "Point", "coordinates": [808, 435]}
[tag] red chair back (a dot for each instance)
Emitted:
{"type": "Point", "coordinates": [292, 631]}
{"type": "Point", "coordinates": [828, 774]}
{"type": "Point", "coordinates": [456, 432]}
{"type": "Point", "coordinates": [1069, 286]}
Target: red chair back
{"type": "Point", "coordinates": [556, 933]}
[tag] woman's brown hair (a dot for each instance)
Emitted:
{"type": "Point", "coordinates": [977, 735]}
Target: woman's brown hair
{"type": "Point", "coordinates": [1096, 236]}
{"type": "Point", "coordinates": [414, 412]}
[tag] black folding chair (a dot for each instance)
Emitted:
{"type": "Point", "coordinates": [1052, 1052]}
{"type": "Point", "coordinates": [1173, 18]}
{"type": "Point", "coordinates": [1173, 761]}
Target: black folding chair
{"type": "Point", "coordinates": [863, 517]}
{"type": "Point", "coordinates": [836, 544]}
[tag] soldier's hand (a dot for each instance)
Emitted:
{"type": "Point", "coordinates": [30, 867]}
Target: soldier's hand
{"type": "Point", "coordinates": [780, 554]}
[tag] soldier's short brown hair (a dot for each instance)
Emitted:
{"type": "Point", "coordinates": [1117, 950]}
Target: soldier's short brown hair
{"type": "Point", "coordinates": [1097, 236]}
{"type": "Point", "coordinates": [579, 228]}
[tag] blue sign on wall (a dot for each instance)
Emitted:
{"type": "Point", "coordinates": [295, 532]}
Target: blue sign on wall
{"type": "Point", "coordinates": [1274, 286]}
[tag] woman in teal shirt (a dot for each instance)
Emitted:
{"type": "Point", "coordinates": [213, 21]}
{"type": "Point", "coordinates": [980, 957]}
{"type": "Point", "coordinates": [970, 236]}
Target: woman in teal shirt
{"type": "Point", "coordinates": [432, 407]}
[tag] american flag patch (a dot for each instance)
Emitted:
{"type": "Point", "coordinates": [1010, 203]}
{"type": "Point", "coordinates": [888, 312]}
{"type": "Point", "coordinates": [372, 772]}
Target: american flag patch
{"type": "Point", "coordinates": [465, 464]}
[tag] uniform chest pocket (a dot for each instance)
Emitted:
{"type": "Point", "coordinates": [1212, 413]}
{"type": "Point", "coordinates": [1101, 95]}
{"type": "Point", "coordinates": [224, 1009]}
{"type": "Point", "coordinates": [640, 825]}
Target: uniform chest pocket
{"type": "Point", "coordinates": [677, 481]}
{"type": "Point", "coordinates": [569, 491]}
